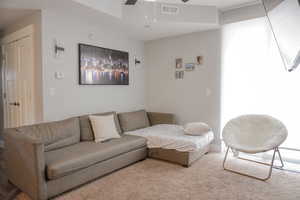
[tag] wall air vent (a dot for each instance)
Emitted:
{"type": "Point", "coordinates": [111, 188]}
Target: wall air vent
{"type": "Point", "coordinates": [169, 9]}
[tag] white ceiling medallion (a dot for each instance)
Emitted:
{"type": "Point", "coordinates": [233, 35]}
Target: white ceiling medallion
{"type": "Point", "coordinates": [169, 9]}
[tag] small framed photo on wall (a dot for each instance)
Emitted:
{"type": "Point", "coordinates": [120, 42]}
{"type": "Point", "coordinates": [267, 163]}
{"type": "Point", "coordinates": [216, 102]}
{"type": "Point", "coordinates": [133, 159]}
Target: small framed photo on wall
{"type": "Point", "coordinates": [178, 62]}
{"type": "Point", "coordinates": [179, 75]}
{"type": "Point", "coordinates": [189, 66]}
{"type": "Point", "coordinates": [199, 60]}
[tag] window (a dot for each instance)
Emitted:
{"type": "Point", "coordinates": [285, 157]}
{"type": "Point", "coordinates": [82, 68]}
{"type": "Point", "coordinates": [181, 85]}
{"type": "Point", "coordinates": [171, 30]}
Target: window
{"type": "Point", "coordinates": [254, 80]}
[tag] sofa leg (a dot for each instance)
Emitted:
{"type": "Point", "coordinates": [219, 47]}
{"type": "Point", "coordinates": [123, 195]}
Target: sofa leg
{"type": "Point", "coordinates": [9, 182]}
{"type": "Point", "coordinates": [13, 191]}
{"type": "Point", "coordinates": [186, 165]}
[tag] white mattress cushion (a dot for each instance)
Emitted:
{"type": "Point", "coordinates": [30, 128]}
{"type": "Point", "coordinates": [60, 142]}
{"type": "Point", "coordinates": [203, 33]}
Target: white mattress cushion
{"type": "Point", "coordinates": [168, 136]}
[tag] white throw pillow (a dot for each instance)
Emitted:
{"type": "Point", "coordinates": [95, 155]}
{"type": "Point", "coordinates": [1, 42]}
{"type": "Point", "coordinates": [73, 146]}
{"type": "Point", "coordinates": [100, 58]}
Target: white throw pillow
{"type": "Point", "coordinates": [196, 128]}
{"type": "Point", "coordinates": [104, 127]}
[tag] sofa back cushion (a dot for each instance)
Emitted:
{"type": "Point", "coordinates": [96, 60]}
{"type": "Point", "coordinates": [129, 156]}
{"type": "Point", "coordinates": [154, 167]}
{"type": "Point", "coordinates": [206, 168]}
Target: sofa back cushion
{"type": "Point", "coordinates": [55, 135]}
{"type": "Point", "coordinates": [130, 121]}
{"type": "Point", "coordinates": [86, 131]}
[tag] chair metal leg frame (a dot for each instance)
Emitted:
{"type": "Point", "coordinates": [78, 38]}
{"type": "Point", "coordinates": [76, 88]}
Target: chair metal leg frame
{"type": "Point", "coordinates": [258, 178]}
{"type": "Point", "coordinates": [268, 164]}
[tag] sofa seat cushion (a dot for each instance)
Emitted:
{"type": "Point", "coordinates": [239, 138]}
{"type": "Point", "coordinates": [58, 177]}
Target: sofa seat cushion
{"type": "Point", "coordinates": [64, 161]}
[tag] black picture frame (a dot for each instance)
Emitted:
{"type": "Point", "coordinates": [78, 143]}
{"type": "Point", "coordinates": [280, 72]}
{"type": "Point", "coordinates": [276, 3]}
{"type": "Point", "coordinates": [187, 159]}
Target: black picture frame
{"type": "Point", "coordinates": [119, 73]}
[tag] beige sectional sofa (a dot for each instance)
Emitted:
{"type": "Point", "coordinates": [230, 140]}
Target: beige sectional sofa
{"type": "Point", "coordinates": [45, 160]}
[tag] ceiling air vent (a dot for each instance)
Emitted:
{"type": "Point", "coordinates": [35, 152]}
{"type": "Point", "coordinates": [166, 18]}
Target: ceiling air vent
{"type": "Point", "coordinates": [169, 9]}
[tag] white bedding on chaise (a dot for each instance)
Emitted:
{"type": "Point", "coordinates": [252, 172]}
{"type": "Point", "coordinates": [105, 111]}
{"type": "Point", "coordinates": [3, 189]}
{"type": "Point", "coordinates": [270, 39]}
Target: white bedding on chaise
{"type": "Point", "coordinates": [172, 137]}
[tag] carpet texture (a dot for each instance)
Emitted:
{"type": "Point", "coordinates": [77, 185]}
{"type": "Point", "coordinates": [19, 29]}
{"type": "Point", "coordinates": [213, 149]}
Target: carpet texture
{"type": "Point", "coordinates": [7, 191]}
{"type": "Point", "coordinates": [205, 180]}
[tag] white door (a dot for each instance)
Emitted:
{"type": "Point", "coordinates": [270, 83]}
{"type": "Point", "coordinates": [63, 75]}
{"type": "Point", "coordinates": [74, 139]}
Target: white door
{"type": "Point", "coordinates": [9, 77]}
{"type": "Point", "coordinates": [18, 83]}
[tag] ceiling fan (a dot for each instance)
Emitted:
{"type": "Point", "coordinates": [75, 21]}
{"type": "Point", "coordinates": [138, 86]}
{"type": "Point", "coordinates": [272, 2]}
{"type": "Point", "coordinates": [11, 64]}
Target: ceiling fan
{"type": "Point", "coordinates": [133, 2]}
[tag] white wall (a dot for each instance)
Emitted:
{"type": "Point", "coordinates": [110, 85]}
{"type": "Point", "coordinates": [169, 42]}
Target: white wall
{"type": "Point", "coordinates": [70, 98]}
{"type": "Point", "coordinates": [197, 96]}
{"type": "Point", "coordinates": [110, 7]}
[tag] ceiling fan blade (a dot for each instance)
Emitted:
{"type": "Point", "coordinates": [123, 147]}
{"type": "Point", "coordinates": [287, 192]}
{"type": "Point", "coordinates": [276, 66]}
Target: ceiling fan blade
{"type": "Point", "coordinates": [130, 2]}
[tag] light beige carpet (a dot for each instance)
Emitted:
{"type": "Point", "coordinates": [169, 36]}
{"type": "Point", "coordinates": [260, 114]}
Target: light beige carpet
{"type": "Point", "coordinates": [205, 180]}
{"type": "Point", "coordinates": [7, 191]}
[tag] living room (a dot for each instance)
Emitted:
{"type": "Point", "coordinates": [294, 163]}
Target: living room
{"type": "Point", "coordinates": [171, 77]}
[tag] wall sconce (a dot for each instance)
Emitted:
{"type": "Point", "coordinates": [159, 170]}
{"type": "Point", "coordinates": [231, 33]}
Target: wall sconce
{"type": "Point", "coordinates": [137, 62]}
{"type": "Point", "coordinates": [58, 49]}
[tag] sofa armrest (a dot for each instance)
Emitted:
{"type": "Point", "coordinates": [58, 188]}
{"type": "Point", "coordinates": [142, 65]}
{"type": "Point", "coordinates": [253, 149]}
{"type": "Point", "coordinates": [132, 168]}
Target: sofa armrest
{"type": "Point", "coordinates": [25, 163]}
{"type": "Point", "coordinates": [161, 118]}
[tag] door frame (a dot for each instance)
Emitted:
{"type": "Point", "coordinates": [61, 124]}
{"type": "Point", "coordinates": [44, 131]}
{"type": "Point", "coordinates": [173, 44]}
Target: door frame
{"type": "Point", "coordinates": [17, 35]}
{"type": "Point", "coordinates": [27, 31]}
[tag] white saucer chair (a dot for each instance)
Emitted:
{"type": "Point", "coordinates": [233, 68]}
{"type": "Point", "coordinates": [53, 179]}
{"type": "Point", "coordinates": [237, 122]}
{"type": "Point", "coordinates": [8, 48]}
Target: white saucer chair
{"type": "Point", "coordinates": [254, 134]}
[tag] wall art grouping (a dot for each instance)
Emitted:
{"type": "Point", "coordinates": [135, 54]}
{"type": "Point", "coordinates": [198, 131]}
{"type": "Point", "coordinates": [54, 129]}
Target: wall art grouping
{"type": "Point", "coordinates": [187, 67]}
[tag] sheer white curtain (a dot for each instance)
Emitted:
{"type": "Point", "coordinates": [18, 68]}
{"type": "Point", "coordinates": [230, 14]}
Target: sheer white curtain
{"type": "Point", "coordinates": [254, 80]}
